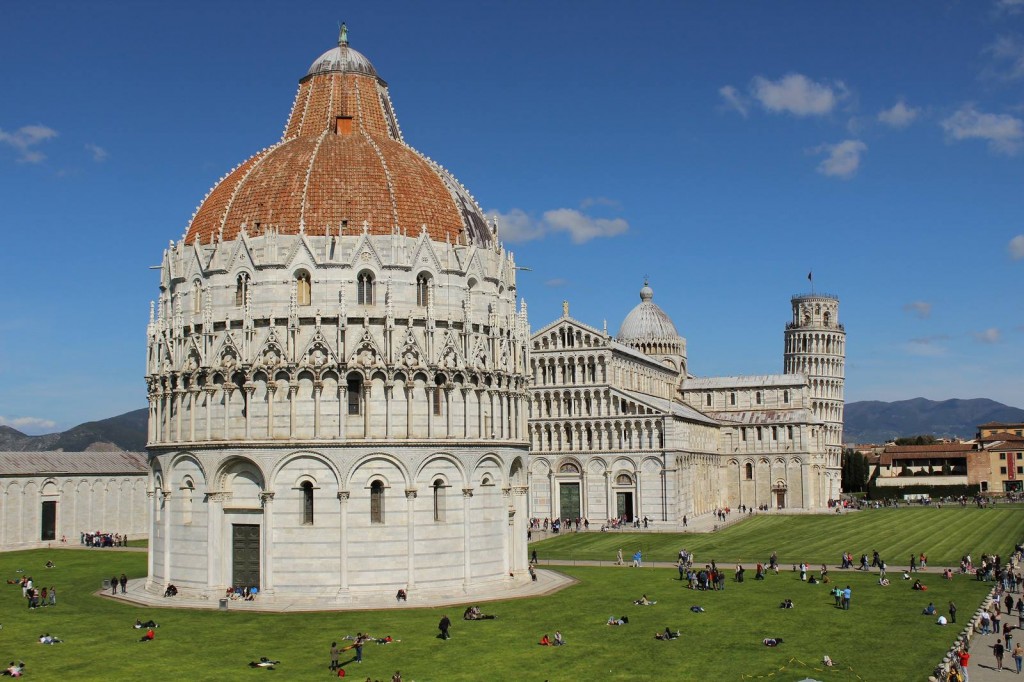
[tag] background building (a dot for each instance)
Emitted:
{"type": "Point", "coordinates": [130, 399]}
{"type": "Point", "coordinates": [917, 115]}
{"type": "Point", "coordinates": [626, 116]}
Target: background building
{"type": "Point", "coordinates": [50, 495]}
{"type": "Point", "coordinates": [620, 429]}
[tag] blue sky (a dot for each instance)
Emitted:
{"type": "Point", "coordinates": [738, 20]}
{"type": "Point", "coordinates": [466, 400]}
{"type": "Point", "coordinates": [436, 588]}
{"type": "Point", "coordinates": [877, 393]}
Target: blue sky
{"type": "Point", "coordinates": [723, 149]}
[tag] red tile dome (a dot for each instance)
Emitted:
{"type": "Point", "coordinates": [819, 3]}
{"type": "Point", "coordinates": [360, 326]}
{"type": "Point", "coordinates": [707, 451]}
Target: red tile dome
{"type": "Point", "coordinates": [341, 162]}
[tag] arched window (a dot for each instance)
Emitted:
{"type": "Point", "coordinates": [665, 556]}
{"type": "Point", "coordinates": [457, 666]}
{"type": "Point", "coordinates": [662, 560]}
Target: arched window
{"type": "Point", "coordinates": [376, 502]}
{"type": "Point", "coordinates": [422, 289]}
{"type": "Point", "coordinates": [750, 471]}
{"type": "Point", "coordinates": [732, 398]}
{"type": "Point", "coordinates": [303, 288]}
{"type": "Point", "coordinates": [197, 297]}
{"type": "Point", "coordinates": [365, 288]}
{"type": "Point", "coordinates": [707, 400]}
{"type": "Point", "coordinates": [785, 396]}
{"type": "Point", "coordinates": [827, 318]}
{"type": "Point", "coordinates": [439, 500]}
{"type": "Point", "coordinates": [757, 397]}
{"type": "Point", "coordinates": [623, 479]}
{"type": "Point", "coordinates": [438, 397]}
{"type": "Point", "coordinates": [307, 503]}
{"type": "Point", "coordinates": [241, 288]}
{"type": "Point", "coordinates": [355, 395]}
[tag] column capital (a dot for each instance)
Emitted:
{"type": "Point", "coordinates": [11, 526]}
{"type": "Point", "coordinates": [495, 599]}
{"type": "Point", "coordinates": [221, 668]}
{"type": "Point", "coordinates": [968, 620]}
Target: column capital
{"type": "Point", "coordinates": [467, 492]}
{"type": "Point", "coordinates": [166, 494]}
{"type": "Point", "coordinates": [506, 492]}
{"type": "Point", "coordinates": [520, 490]}
{"type": "Point", "coordinates": [266, 497]}
{"type": "Point", "coordinates": [343, 495]}
{"type": "Point", "coordinates": [217, 495]}
{"type": "Point", "coordinates": [410, 493]}
{"type": "Point", "coordinates": [149, 493]}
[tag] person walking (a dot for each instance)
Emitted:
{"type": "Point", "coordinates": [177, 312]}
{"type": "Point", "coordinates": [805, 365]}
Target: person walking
{"type": "Point", "coordinates": [533, 557]}
{"type": "Point", "coordinates": [1018, 656]}
{"type": "Point", "coordinates": [847, 593]}
{"type": "Point", "coordinates": [637, 559]}
{"type": "Point", "coordinates": [1007, 635]}
{"type": "Point", "coordinates": [963, 658]}
{"type": "Point", "coordinates": [113, 585]}
{"type": "Point", "coordinates": [124, 583]}
{"type": "Point", "coordinates": [998, 650]}
{"type": "Point", "coordinates": [618, 557]}
{"type": "Point", "coordinates": [952, 612]}
{"type": "Point", "coordinates": [443, 627]}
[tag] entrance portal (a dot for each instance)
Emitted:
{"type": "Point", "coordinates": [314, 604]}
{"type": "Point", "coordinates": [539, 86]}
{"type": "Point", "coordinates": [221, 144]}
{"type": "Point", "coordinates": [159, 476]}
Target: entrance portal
{"type": "Point", "coordinates": [49, 517]}
{"type": "Point", "coordinates": [624, 506]}
{"type": "Point", "coordinates": [569, 500]}
{"type": "Point", "coordinates": [780, 499]}
{"type": "Point", "coordinates": [245, 555]}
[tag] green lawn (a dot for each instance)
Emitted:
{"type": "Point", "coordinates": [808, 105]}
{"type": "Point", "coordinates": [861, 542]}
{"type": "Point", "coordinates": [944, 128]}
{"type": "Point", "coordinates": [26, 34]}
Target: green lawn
{"type": "Point", "coordinates": [882, 637]}
{"type": "Point", "coordinates": [944, 535]}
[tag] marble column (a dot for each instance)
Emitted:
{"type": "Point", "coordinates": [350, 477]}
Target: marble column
{"type": "Point", "coordinates": [343, 497]}
{"type": "Point", "coordinates": [467, 542]}
{"type": "Point", "coordinates": [266, 543]}
{"type": "Point", "coordinates": [166, 501]}
{"type": "Point", "coordinates": [249, 389]}
{"type": "Point", "coordinates": [318, 388]}
{"type": "Point", "coordinates": [410, 506]}
{"type": "Point", "coordinates": [215, 551]}
{"type": "Point", "coordinates": [151, 497]}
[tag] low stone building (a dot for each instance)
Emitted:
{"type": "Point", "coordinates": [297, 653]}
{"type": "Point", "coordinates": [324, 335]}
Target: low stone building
{"type": "Point", "coordinates": [50, 495]}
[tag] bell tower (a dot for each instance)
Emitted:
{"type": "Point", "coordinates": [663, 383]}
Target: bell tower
{"type": "Point", "coordinates": [816, 348]}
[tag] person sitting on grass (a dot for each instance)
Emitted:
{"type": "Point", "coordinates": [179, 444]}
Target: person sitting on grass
{"type": "Point", "coordinates": [402, 595]}
{"type": "Point", "coordinates": [786, 604]}
{"type": "Point", "coordinates": [50, 564]}
{"type": "Point", "coordinates": [644, 601]}
{"type": "Point", "coordinates": [170, 591]}
{"type": "Point", "coordinates": [884, 582]}
{"type": "Point", "coordinates": [772, 641]}
{"type": "Point", "coordinates": [827, 661]}
{"type": "Point", "coordinates": [666, 635]}
{"type": "Point", "coordinates": [559, 640]}
{"type": "Point", "coordinates": [812, 580]}
{"type": "Point", "coordinates": [148, 624]}
{"type": "Point", "coordinates": [948, 574]}
{"type": "Point", "coordinates": [612, 620]}
{"type": "Point", "coordinates": [929, 610]}
{"type": "Point", "coordinates": [697, 609]}
{"type": "Point", "coordinates": [906, 576]}
{"type": "Point", "coordinates": [148, 637]}
{"type": "Point", "coordinates": [264, 662]}
{"type": "Point", "coordinates": [918, 586]}
{"type": "Point", "coordinates": [545, 641]}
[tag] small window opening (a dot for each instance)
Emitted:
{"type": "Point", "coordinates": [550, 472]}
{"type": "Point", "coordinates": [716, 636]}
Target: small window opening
{"type": "Point", "coordinates": [439, 500]}
{"type": "Point", "coordinates": [343, 125]}
{"type": "Point", "coordinates": [307, 503]}
{"type": "Point", "coordinates": [376, 502]}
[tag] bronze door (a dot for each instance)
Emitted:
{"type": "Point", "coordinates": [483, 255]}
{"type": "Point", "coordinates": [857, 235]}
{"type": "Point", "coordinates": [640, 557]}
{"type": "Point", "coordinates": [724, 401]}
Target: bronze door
{"type": "Point", "coordinates": [245, 555]}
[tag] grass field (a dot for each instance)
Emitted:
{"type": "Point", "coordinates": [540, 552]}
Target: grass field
{"type": "Point", "coordinates": [883, 636]}
{"type": "Point", "coordinates": [944, 535]}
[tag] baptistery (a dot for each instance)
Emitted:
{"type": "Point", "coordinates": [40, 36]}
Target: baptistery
{"type": "Point", "coordinates": [336, 369]}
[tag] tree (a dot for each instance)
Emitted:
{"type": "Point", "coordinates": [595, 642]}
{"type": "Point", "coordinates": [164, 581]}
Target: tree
{"type": "Point", "coordinates": [916, 440]}
{"type": "Point", "coordinates": [855, 471]}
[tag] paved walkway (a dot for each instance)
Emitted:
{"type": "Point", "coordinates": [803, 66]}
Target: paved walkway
{"type": "Point", "coordinates": [982, 667]}
{"type": "Point", "coordinates": [547, 582]}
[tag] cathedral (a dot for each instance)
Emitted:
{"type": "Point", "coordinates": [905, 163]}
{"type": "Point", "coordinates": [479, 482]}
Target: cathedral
{"type": "Point", "coordinates": [345, 398]}
{"type": "Point", "coordinates": [620, 429]}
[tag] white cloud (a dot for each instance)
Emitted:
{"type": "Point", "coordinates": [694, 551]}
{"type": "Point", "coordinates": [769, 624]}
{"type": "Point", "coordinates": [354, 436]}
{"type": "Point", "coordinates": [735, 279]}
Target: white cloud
{"type": "Point", "coordinates": [733, 99]}
{"type": "Point", "coordinates": [842, 160]}
{"type": "Point", "coordinates": [1010, 6]}
{"type": "Point", "coordinates": [1016, 247]}
{"type": "Point", "coordinates": [31, 423]}
{"type": "Point", "coordinates": [1008, 53]}
{"type": "Point", "coordinates": [581, 227]}
{"type": "Point", "coordinates": [921, 309]}
{"type": "Point", "coordinates": [600, 201]}
{"type": "Point", "coordinates": [990, 335]}
{"type": "Point", "coordinates": [518, 226]}
{"type": "Point", "coordinates": [926, 347]}
{"type": "Point", "coordinates": [99, 154]}
{"type": "Point", "coordinates": [556, 282]}
{"type": "Point", "coordinates": [25, 138]}
{"type": "Point", "coordinates": [1004, 133]}
{"type": "Point", "coordinates": [899, 116]}
{"type": "Point", "coordinates": [796, 94]}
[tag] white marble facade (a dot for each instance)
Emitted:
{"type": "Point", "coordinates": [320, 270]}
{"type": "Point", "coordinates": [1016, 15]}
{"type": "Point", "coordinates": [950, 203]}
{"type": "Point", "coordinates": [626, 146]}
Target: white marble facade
{"type": "Point", "coordinates": [620, 429]}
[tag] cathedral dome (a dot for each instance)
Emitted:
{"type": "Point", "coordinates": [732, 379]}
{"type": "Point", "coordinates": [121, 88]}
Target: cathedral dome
{"type": "Point", "coordinates": [647, 321]}
{"type": "Point", "coordinates": [341, 163]}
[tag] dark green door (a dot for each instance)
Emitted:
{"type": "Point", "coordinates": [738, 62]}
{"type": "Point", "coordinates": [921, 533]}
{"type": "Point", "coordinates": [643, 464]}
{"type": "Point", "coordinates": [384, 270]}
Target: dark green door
{"type": "Point", "coordinates": [245, 555]}
{"type": "Point", "coordinates": [624, 506]}
{"type": "Point", "coordinates": [49, 521]}
{"type": "Point", "coordinates": [569, 500]}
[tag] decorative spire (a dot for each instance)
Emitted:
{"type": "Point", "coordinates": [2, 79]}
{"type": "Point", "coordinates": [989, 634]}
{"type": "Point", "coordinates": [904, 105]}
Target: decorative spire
{"type": "Point", "coordinates": [343, 35]}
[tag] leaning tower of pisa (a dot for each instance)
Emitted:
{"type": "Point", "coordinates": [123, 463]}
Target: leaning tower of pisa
{"type": "Point", "coordinates": [816, 348]}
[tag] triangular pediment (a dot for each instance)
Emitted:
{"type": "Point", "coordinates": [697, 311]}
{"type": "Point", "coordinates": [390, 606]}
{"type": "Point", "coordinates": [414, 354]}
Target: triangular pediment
{"type": "Point", "coordinates": [318, 354]}
{"type": "Point", "coordinates": [424, 256]}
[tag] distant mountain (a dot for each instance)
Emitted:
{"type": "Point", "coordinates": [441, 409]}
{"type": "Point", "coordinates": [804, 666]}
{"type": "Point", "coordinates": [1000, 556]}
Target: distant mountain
{"type": "Point", "coordinates": [123, 432]}
{"type": "Point", "coordinates": [873, 421]}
